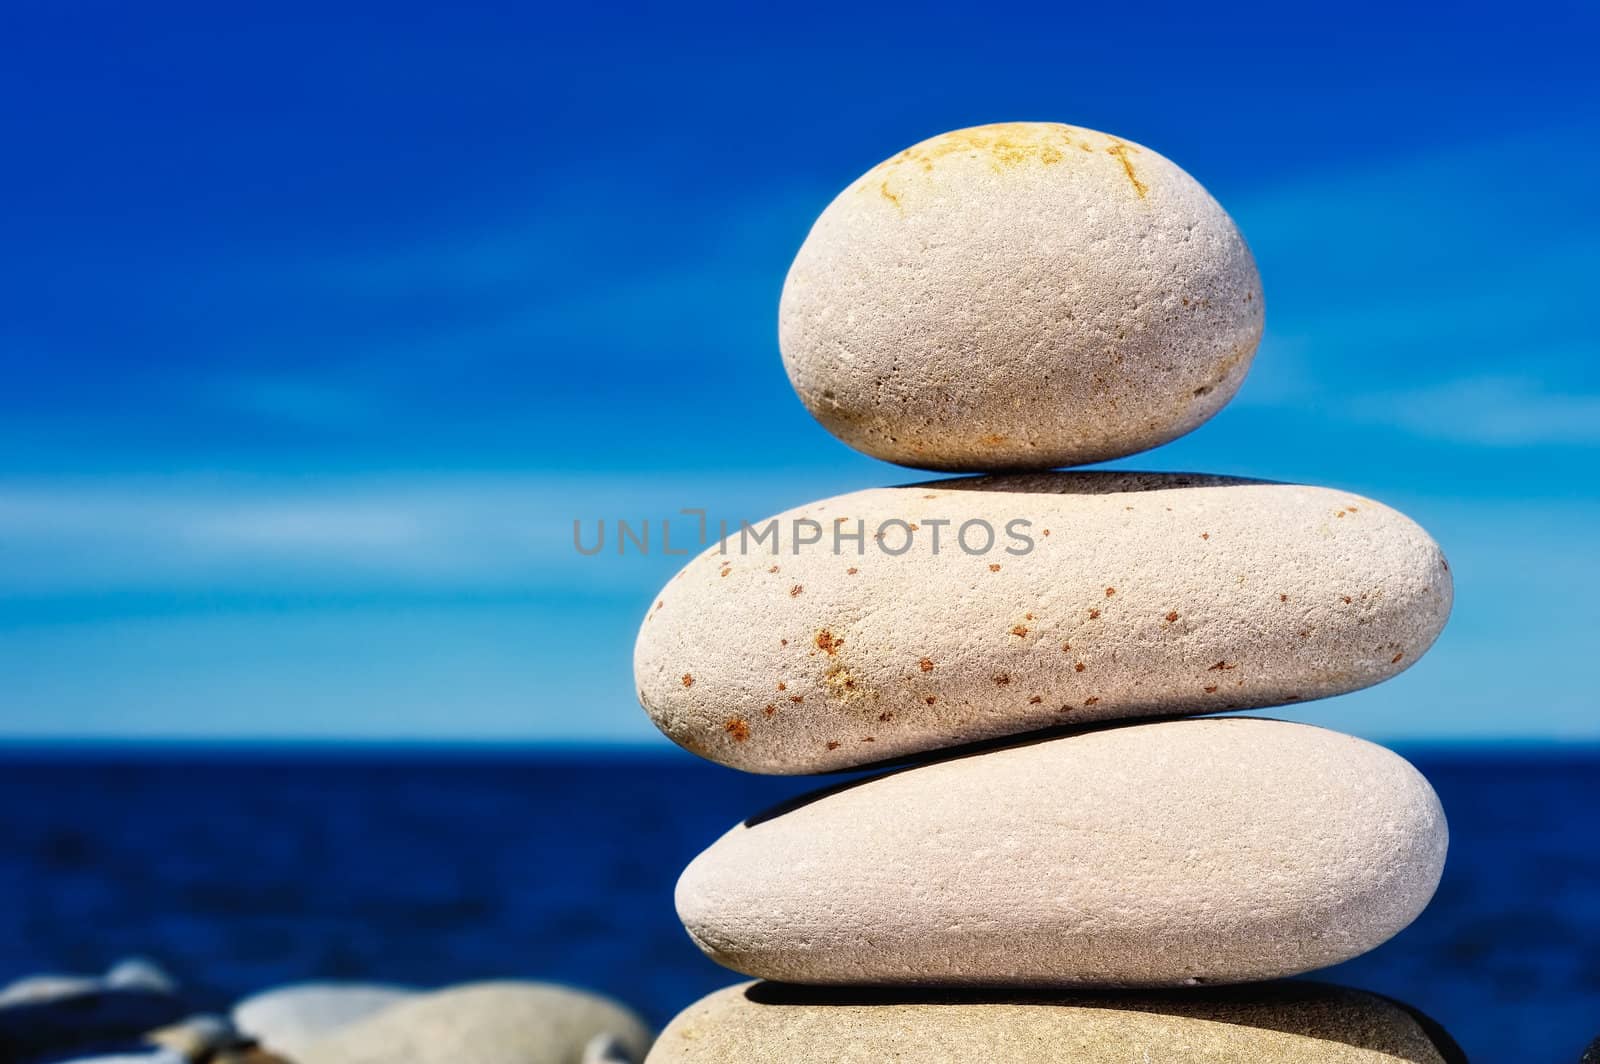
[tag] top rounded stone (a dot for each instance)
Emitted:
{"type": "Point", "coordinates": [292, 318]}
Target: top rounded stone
{"type": "Point", "coordinates": [1019, 296]}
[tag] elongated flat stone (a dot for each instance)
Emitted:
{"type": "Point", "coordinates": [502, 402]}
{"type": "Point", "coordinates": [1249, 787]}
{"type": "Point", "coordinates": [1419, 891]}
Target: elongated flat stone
{"type": "Point", "coordinates": [1101, 596]}
{"type": "Point", "coordinates": [1176, 853]}
{"type": "Point", "coordinates": [1278, 1023]}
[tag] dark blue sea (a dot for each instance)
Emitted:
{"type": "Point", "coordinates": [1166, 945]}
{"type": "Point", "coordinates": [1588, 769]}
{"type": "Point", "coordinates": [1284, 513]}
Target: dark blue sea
{"type": "Point", "coordinates": [242, 868]}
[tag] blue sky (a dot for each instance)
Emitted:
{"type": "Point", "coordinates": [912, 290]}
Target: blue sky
{"type": "Point", "coordinates": [321, 326]}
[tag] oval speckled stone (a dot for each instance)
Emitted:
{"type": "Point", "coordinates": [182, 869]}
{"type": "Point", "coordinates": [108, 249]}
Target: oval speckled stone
{"type": "Point", "coordinates": [1143, 594]}
{"type": "Point", "coordinates": [1275, 1023]}
{"type": "Point", "coordinates": [1019, 296]}
{"type": "Point", "coordinates": [1176, 853]}
{"type": "Point", "coordinates": [484, 1023]}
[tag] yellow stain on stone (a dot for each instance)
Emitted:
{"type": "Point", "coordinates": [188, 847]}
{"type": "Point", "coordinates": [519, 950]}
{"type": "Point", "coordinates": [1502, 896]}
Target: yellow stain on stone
{"type": "Point", "coordinates": [1004, 145]}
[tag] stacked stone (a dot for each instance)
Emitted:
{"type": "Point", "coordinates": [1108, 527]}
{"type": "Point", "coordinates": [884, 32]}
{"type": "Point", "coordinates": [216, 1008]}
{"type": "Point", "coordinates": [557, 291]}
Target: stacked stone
{"type": "Point", "coordinates": [1008, 300]}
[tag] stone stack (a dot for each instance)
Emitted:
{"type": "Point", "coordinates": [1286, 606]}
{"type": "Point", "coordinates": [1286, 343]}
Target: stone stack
{"type": "Point", "coordinates": [1033, 649]}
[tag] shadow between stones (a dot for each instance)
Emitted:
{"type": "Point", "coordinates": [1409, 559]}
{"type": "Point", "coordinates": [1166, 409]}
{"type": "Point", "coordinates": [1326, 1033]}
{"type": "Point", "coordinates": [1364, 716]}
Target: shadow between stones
{"type": "Point", "coordinates": [1089, 482]}
{"type": "Point", "coordinates": [1290, 1006]}
{"type": "Point", "coordinates": [883, 769]}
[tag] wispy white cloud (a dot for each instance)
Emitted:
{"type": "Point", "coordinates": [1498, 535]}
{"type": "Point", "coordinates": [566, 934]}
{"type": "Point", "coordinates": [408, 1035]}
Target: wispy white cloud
{"type": "Point", "coordinates": [503, 533]}
{"type": "Point", "coordinates": [1487, 411]}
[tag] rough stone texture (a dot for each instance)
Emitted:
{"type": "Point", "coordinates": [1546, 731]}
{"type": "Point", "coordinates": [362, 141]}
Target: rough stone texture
{"type": "Point", "coordinates": [288, 1018]}
{"type": "Point", "coordinates": [1175, 853]}
{"type": "Point", "coordinates": [484, 1023]}
{"type": "Point", "coordinates": [1296, 1022]}
{"type": "Point", "coordinates": [1144, 594]}
{"type": "Point", "coordinates": [1019, 296]}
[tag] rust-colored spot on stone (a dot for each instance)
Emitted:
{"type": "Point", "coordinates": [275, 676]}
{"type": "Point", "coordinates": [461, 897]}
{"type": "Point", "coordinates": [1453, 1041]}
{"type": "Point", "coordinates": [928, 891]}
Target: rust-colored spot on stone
{"type": "Point", "coordinates": [868, 739]}
{"type": "Point", "coordinates": [1001, 679]}
{"type": "Point", "coordinates": [1091, 700]}
{"type": "Point", "coordinates": [725, 571]}
{"type": "Point", "coordinates": [886, 716]}
{"type": "Point", "coordinates": [840, 679]}
{"type": "Point", "coordinates": [1283, 598]}
{"type": "Point", "coordinates": [1019, 630]}
{"type": "Point", "coordinates": [1094, 615]}
{"type": "Point", "coordinates": [773, 569]}
{"type": "Point", "coordinates": [795, 591]}
{"type": "Point", "coordinates": [883, 190]}
{"type": "Point", "coordinates": [1001, 145]}
{"type": "Point", "coordinates": [769, 709]}
{"type": "Point", "coordinates": [782, 686]}
{"type": "Point", "coordinates": [1066, 648]}
{"type": "Point", "coordinates": [1211, 688]}
{"type": "Point", "coordinates": [994, 567]}
{"type": "Point", "coordinates": [828, 643]}
{"type": "Point", "coordinates": [797, 699]}
{"type": "Point", "coordinates": [926, 664]}
{"type": "Point", "coordinates": [832, 745]}
{"type": "Point", "coordinates": [852, 571]}
{"type": "Point", "coordinates": [931, 699]}
{"type": "Point", "coordinates": [1172, 616]}
{"type": "Point", "coordinates": [1119, 151]}
{"type": "Point", "coordinates": [1396, 659]}
{"type": "Point", "coordinates": [1035, 700]}
{"type": "Point", "coordinates": [1347, 600]}
{"type": "Point", "coordinates": [737, 728]}
{"type": "Point", "coordinates": [1222, 666]}
{"type": "Point", "coordinates": [688, 680]}
{"type": "Point", "coordinates": [993, 439]}
{"type": "Point", "coordinates": [1110, 591]}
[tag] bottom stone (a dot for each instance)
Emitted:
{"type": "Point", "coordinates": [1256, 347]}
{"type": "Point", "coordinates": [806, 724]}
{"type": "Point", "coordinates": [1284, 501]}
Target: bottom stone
{"type": "Point", "coordinates": [756, 1023]}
